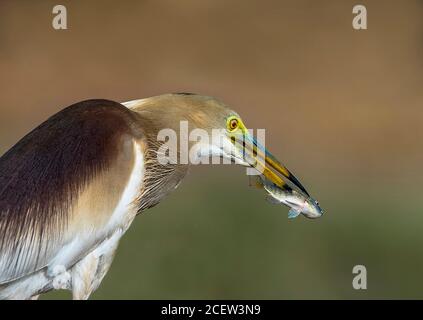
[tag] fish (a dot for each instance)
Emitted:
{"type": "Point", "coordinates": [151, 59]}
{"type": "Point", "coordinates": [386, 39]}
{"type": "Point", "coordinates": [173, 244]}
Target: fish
{"type": "Point", "coordinates": [298, 202]}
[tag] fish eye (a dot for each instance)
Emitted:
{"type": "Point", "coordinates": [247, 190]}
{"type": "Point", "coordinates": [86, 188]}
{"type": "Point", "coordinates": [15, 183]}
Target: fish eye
{"type": "Point", "coordinates": [233, 124]}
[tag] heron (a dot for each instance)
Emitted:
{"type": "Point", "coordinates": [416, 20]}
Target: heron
{"type": "Point", "coordinates": [71, 188]}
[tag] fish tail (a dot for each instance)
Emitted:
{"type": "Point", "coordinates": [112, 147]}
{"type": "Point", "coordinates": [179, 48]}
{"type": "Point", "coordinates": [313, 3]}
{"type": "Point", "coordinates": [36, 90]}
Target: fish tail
{"type": "Point", "coordinates": [255, 181]}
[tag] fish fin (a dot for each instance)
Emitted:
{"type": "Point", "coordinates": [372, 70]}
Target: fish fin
{"type": "Point", "coordinates": [255, 181]}
{"type": "Point", "coordinates": [272, 200]}
{"type": "Point", "coordinates": [292, 213]}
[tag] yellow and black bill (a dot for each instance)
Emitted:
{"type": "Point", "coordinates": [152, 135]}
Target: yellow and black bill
{"type": "Point", "coordinates": [258, 157]}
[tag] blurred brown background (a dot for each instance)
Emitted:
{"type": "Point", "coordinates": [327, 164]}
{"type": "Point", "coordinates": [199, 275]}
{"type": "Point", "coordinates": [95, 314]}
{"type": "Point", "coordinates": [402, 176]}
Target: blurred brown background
{"type": "Point", "coordinates": [342, 109]}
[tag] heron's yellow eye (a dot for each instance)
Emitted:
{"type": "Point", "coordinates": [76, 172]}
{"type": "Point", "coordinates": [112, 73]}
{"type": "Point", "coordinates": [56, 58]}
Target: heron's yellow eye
{"type": "Point", "coordinates": [233, 124]}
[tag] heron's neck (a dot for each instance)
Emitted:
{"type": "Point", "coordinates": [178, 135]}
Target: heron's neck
{"type": "Point", "coordinates": [159, 179]}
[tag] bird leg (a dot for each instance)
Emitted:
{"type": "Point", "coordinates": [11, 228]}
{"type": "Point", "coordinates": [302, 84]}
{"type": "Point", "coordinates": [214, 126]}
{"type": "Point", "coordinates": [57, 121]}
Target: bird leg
{"type": "Point", "coordinates": [88, 273]}
{"type": "Point", "coordinates": [83, 275]}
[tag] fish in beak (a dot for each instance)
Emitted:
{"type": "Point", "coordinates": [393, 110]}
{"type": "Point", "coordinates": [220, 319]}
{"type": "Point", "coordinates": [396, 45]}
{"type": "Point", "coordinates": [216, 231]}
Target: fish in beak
{"type": "Point", "coordinates": [282, 186]}
{"type": "Point", "coordinates": [259, 158]}
{"type": "Point", "coordinates": [298, 203]}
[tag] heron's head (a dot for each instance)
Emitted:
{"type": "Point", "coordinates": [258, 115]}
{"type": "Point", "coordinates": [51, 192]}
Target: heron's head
{"type": "Point", "coordinates": [214, 130]}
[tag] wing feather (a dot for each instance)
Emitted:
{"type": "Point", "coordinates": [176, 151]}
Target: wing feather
{"type": "Point", "coordinates": [49, 175]}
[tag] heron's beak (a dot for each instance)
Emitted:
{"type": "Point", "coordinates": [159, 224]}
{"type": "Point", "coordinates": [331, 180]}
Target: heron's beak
{"type": "Point", "coordinates": [265, 163]}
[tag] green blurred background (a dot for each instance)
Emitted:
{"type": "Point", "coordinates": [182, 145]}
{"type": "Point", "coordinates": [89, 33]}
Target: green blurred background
{"type": "Point", "coordinates": [342, 109]}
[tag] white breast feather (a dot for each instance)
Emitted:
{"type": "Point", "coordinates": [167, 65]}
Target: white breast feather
{"type": "Point", "coordinates": [126, 210]}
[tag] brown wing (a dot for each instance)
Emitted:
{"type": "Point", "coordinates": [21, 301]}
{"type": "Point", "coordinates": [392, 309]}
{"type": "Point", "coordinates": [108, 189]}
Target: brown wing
{"type": "Point", "coordinates": [45, 173]}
